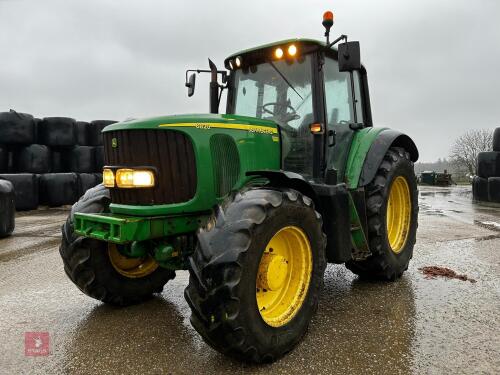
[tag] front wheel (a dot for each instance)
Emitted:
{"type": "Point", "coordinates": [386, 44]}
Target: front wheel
{"type": "Point", "coordinates": [256, 276]}
{"type": "Point", "coordinates": [99, 269]}
{"type": "Point", "coordinates": [392, 210]}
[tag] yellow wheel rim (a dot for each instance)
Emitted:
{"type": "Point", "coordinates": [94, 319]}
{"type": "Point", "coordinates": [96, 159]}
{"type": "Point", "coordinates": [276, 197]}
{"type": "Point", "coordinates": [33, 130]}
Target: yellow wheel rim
{"type": "Point", "coordinates": [284, 275]}
{"type": "Point", "coordinates": [398, 214]}
{"type": "Point", "coordinates": [133, 268]}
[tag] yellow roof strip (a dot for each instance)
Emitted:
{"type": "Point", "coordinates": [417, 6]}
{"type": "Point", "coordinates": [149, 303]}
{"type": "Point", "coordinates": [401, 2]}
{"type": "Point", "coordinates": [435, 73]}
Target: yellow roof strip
{"type": "Point", "coordinates": [220, 125]}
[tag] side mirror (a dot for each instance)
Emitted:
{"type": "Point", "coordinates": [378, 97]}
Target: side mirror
{"type": "Point", "coordinates": [349, 57]}
{"type": "Point", "coordinates": [191, 84]}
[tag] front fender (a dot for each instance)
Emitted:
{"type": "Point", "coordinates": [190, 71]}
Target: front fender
{"type": "Point", "coordinates": [280, 178]}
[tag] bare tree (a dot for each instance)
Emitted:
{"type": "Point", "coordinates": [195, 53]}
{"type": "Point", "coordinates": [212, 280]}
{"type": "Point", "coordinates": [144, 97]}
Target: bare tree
{"type": "Point", "coordinates": [466, 148]}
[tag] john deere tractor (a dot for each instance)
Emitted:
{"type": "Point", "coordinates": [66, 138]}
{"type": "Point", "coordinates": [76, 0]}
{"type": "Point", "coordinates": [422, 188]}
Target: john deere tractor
{"type": "Point", "coordinates": [253, 202]}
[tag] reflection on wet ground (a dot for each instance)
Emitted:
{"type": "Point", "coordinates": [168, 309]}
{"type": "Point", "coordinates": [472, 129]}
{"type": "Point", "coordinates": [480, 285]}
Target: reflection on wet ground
{"type": "Point", "coordinates": [456, 202]}
{"type": "Point", "coordinates": [412, 326]}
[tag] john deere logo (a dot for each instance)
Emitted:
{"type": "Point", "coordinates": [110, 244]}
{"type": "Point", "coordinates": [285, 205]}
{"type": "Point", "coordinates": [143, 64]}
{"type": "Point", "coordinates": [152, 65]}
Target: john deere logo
{"type": "Point", "coordinates": [114, 143]}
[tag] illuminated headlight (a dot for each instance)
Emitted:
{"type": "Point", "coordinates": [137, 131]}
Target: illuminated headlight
{"type": "Point", "coordinates": [278, 53]}
{"type": "Point", "coordinates": [134, 178]}
{"type": "Point", "coordinates": [108, 178]}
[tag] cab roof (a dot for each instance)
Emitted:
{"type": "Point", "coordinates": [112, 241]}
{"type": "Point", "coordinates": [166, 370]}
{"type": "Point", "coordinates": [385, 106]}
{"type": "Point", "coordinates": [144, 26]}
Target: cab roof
{"type": "Point", "coordinates": [278, 43]}
{"type": "Point", "coordinates": [269, 46]}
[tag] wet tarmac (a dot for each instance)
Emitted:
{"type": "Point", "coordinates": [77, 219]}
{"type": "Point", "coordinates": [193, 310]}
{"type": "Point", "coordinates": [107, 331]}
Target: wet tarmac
{"type": "Point", "coordinates": [413, 326]}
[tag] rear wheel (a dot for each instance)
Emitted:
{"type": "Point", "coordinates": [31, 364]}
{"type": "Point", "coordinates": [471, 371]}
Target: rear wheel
{"type": "Point", "coordinates": [98, 268]}
{"type": "Point", "coordinates": [256, 274]}
{"type": "Point", "coordinates": [392, 210]}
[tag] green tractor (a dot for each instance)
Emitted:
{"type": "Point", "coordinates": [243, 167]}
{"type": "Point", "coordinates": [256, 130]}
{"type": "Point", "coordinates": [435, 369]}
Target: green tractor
{"type": "Point", "coordinates": [254, 202]}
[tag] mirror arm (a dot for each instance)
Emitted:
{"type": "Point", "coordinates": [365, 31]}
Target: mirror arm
{"type": "Point", "coordinates": [222, 87]}
{"type": "Point", "coordinates": [221, 72]}
{"type": "Point", "coordinates": [342, 37]}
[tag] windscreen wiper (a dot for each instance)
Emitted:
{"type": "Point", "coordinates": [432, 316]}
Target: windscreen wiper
{"type": "Point", "coordinates": [284, 79]}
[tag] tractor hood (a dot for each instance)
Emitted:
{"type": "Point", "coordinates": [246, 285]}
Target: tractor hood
{"type": "Point", "coordinates": [197, 159]}
{"type": "Point", "coordinates": [201, 121]}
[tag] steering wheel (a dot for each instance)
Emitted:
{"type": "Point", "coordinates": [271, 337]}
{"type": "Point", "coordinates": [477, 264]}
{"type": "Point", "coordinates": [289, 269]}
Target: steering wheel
{"type": "Point", "coordinates": [290, 115]}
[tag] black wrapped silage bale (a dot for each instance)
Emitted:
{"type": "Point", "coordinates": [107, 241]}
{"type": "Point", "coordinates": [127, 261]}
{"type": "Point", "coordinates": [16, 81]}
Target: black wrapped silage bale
{"type": "Point", "coordinates": [58, 189]}
{"type": "Point", "coordinates": [7, 208]}
{"type": "Point", "coordinates": [57, 131]}
{"type": "Point", "coordinates": [17, 128]}
{"type": "Point", "coordinates": [488, 164]}
{"type": "Point", "coordinates": [79, 159]}
{"type": "Point", "coordinates": [82, 133]}
{"type": "Point", "coordinates": [494, 189]}
{"type": "Point", "coordinates": [32, 159]}
{"type": "Point", "coordinates": [86, 181]}
{"type": "Point", "coordinates": [4, 159]}
{"type": "Point", "coordinates": [95, 131]}
{"type": "Point", "coordinates": [480, 189]}
{"type": "Point", "coordinates": [25, 188]}
{"type": "Point", "coordinates": [99, 158]}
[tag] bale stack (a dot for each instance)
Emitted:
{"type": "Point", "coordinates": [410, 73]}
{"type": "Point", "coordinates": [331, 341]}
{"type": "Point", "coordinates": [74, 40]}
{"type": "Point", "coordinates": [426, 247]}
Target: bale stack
{"type": "Point", "coordinates": [486, 185]}
{"type": "Point", "coordinates": [7, 208]}
{"type": "Point", "coordinates": [50, 161]}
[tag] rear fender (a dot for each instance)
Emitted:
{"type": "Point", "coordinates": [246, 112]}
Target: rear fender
{"type": "Point", "coordinates": [378, 149]}
{"type": "Point", "coordinates": [368, 150]}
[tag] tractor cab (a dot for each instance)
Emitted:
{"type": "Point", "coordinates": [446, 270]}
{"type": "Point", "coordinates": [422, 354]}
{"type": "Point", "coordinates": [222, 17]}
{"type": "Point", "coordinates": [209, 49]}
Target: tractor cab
{"type": "Point", "coordinates": [317, 96]}
{"type": "Point", "coordinates": [299, 84]}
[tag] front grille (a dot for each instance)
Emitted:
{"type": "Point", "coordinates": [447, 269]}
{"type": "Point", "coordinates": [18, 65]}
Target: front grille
{"type": "Point", "coordinates": [169, 151]}
{"type": "Point", "coordinates": [225, 163]}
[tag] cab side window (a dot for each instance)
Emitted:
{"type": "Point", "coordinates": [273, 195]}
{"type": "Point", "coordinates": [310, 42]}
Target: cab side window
{"type": "Point", "coordinates": [357, 96]}
{"type": "Point", "coordinates": [338, 95]}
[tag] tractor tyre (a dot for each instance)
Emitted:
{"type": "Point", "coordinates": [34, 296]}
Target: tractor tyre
{"type": "Point", "coordinates": [256, 274]}
{"type": "Point", "coordinates": [392, 213]}
{"type": "Point", "coordinates": [99, 270]}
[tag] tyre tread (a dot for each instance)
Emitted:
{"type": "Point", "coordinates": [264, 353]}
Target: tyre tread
{"type": "Point", "coordinates": [377, 265]}
{"type": "Point", "coordinates": [210, 293]}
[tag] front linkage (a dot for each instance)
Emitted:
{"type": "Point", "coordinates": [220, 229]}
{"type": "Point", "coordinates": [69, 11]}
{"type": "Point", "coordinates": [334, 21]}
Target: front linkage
{"type": "Point", "coordinates": [162, 237]}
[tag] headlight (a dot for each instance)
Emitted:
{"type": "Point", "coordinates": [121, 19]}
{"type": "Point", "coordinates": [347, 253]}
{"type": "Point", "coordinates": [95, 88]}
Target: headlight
{"type": "Point", "coordinates": [108, 178]}
{"type": "Point", "coordinates": [278, 53]}
{"type": "Point", "coordinates": [238, 61]}
{"type": "Point", "coordinates": [134, 178]}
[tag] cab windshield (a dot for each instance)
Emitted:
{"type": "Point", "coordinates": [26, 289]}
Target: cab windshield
{"type": "Point", "coordinates": [280, 91]}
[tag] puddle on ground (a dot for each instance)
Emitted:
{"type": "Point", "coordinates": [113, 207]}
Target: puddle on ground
{"type": "Point", "coordinates": [492, 225]}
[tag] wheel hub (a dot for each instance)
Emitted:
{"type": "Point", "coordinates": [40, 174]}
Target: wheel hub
{"type": "Point", "coordinates": [273, 271]}
{"type": "Point", "coordinates": [284, 276]}
{"type": "Point", "coordinates": [398, 214]}
{"type": "Point", "coordinates": [133, 268]}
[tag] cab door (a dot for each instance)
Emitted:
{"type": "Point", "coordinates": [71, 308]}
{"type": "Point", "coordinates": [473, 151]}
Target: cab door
{"type": "Point", "coordinates": [343, 107]}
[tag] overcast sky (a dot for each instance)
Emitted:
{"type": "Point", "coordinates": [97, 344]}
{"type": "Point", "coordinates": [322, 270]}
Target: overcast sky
{"type": "Point", "coordinates": [433, 66]}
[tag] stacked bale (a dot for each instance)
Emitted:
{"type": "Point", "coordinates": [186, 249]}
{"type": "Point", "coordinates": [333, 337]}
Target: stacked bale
{"type": "Point", "coordinates": [95, 139]}
{"type": "Point", "coordinates": [50, 161]}
{"type": "Point", "coordinates": [25, 188]}
{"type": "Point", "coordinates": [7, 208]}
{"type": "Point", "coordinates": [486, 185]}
